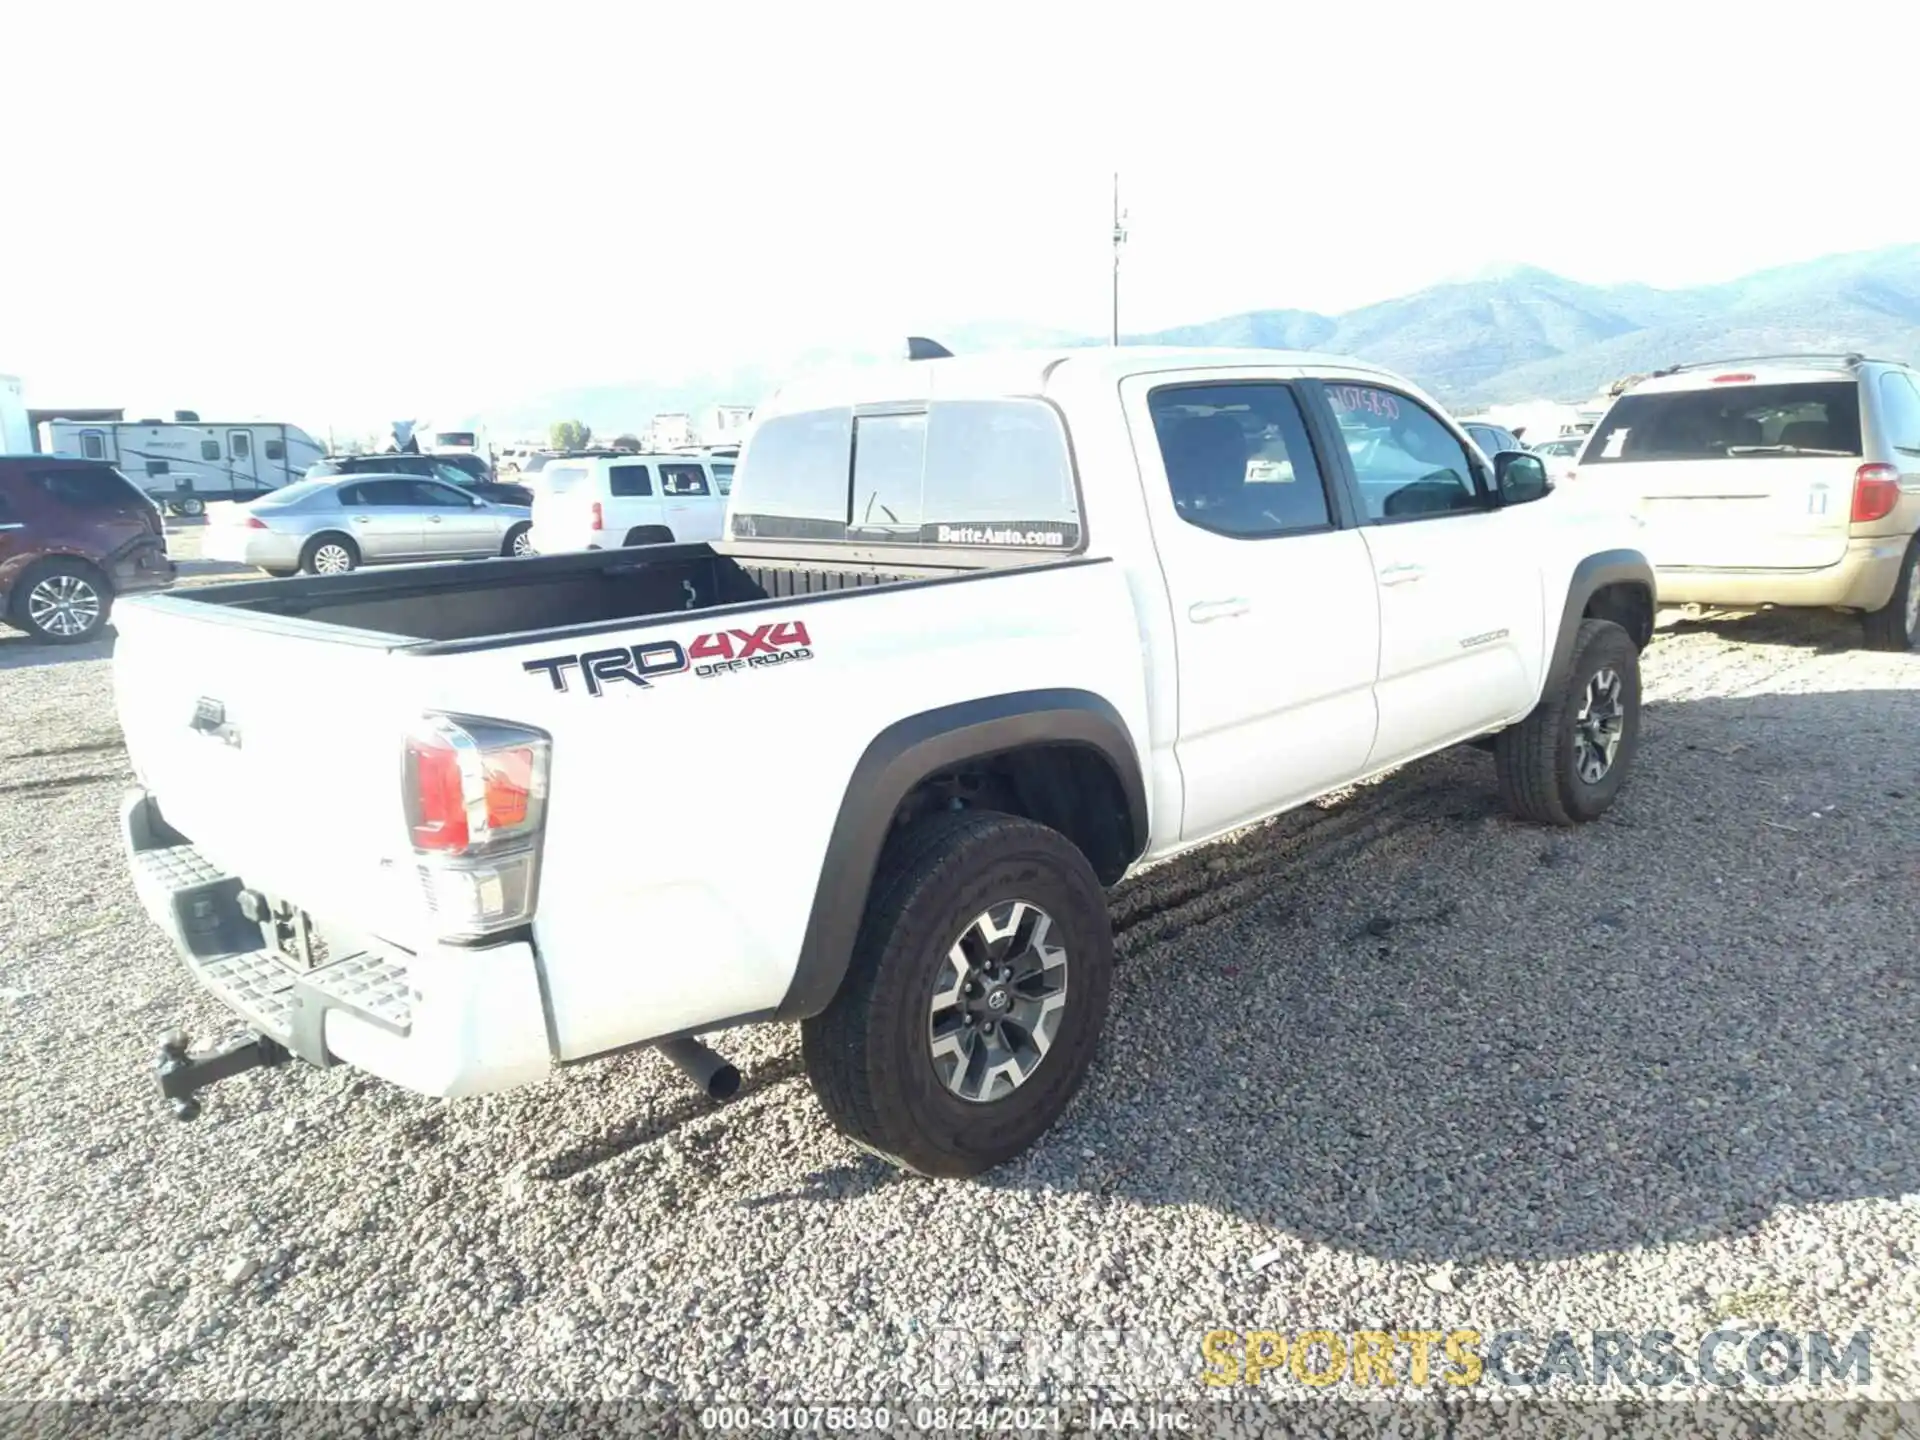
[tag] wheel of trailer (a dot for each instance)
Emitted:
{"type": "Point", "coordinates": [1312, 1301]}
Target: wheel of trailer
{"type": "Point", "coordinates": [1566, 761]}
{"type": "Point", "coordinates": [974, 997]}
{"type": "Point", "coordinates": [191, 505]}
{"type": "Point", "coordinates": [329, 554]}
{"type": "Point", "coordinates": [1896, 625]}
{"type": "Point", "coordinates": [62, 601]}
{"type": "Point", "coordinates": [519, 540]}
{"type": "Point", "coordinates": [648, 535]}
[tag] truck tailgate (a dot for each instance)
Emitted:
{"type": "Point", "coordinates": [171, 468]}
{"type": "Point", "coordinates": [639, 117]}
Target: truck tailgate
{"type": "Point", "coordinates": [275, 748]}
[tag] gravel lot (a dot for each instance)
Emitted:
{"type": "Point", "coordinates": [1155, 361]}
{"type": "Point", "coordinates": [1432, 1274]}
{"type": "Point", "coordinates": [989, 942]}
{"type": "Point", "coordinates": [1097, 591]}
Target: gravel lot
{"type": "Point", "coordinates": [1393, 1060]}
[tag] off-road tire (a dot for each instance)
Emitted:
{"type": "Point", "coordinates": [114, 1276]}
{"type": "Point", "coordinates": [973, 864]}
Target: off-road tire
{"type": "Point", "coordinates": [868, 1054]}
{"type": "Point", "coordinates": [1536, 760]}
{"type": "Point", "coordinates": [1891, 626]}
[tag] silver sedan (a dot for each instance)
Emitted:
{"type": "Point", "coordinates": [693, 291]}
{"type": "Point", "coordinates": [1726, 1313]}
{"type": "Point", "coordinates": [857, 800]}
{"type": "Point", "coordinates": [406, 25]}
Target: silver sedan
{"type": "Point", "coordinates": [330, 526]}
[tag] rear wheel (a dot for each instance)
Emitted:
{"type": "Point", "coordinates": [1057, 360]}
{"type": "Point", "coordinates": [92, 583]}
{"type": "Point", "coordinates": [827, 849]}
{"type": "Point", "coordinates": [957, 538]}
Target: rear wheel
{"type": "Point", "coordinates": [62, 602]}
{"type": "Point", "coordinates": [974, 997]}
{"type": "Point", "coordinates": [1566, 761]}
{"type": "Point", "coordinates": [519, 540]}
{"type": "Point", "coordinates": [649, 535]}
{"type": "Point", "coordinates": [330, 554]}
{"type": "Point", "coordinates": [190, 505]}
{"type": "Point", "coordinates": [1896, 624]}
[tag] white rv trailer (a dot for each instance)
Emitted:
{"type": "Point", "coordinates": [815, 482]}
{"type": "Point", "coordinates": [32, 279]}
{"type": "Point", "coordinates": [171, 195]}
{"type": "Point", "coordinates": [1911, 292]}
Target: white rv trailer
{"type": "Point", "coordinates": [457, 440]}
{"type": "Point", "coordinates": [185, 464]}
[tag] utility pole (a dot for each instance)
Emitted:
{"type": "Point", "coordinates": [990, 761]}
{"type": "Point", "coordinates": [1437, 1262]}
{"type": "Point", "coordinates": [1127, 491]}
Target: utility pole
{"type": "Point", "coordinates": [1119, 239]}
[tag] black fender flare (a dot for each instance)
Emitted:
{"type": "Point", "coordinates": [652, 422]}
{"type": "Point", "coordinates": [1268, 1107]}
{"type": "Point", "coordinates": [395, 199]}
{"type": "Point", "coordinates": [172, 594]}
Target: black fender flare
{"type": "Point", "coordinates": [898, 760]}
{"type": "Point", "coordinates": [1595, 572]}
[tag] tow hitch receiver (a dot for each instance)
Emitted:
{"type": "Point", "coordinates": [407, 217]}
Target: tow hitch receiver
{"type": "Point", "coordinates": [181, 1073]}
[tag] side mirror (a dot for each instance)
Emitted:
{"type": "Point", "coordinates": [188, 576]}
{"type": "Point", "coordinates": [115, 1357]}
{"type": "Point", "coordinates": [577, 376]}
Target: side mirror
{"type": "Point", "coordinates": [1520, 477]}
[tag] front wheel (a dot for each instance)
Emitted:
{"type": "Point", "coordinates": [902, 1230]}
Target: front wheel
{"type": "Point", "coordinates": [974, 997]}
{"type": "Point", "coordinates": [1896, 624]}
{"type": "Point", "coordinates": [1566, 761]}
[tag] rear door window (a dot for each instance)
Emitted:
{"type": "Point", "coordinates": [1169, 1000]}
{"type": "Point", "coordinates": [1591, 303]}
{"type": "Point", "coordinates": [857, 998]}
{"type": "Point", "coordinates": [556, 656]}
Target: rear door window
{"type": "Point", "coordinates": [91, 489]}
{"type": "Point", "coordinates": [628, 481]}
{"type": "Point", "coordinates": [723, 479]}
{"type": "Point", "coordinates": [1238, 460]}
{"type": "Point", "coordinates": [388, 494]}
{"type": "Point", "coordinates": [1730, 422]}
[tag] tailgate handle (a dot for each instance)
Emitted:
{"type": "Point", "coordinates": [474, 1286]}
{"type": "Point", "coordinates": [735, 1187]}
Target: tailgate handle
{"type": "Point", "coordinates": [210, 718]}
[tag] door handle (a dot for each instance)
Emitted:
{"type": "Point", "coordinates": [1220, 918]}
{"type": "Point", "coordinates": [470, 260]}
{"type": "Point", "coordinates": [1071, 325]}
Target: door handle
{"type": "Point", "coordinates": [360, 519]}
{"type": "Point", "coordinates": [433, 519]}
{"type": "Point", "coordinates": [1401, 574]}
{"type": "Point", "coordinates": [1203, 611]}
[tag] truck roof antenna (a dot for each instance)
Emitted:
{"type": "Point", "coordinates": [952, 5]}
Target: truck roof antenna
{"type": "Point", "coordinates": [921, 348]}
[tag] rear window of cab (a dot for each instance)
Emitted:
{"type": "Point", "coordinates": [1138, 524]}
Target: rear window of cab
{"type": "Point", "coordinates": [995, 473]}
{"type": "Point", "coordinates": [1730, 422]}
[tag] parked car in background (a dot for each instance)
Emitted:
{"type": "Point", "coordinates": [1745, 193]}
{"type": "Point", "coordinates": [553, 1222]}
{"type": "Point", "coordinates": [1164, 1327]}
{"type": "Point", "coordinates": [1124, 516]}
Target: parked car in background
{"type": "Point", "coordinates": [594, 502]}
{"type": "Point", "coordinates": [1492, 439]}
{"type": "Point", "coordinates": [469, 472]}
{"type": "Point", "coordinates": [1559, 454]}
{"type": "Point", "coordinates": [73, 535]}
{"type": "Point", "coordinates": [327, 526]}
{"type": "Point", "coordinates": [1776, 480]}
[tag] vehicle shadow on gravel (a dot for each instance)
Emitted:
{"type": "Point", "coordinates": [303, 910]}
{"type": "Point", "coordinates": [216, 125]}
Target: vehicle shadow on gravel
{"type": "Point", "coordinates": [1430, 1033]}
{"type": "Point", "coordinates": [1824, 630]}
{"type": "Point", "coordinates": [17, 652]}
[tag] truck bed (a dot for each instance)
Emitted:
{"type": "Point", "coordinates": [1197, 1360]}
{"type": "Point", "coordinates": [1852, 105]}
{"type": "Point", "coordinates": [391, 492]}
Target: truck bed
{"type": "Point", "coordinates": [488, 601]}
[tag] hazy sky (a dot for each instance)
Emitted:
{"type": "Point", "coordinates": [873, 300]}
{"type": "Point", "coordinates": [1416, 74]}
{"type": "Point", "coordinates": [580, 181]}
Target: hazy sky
{"type": "Point", "coordinates": [341, 211]}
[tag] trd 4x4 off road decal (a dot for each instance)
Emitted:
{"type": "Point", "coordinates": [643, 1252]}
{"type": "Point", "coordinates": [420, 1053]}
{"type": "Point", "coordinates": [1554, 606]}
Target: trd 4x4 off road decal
{"type": "Point", "coordinates": [719, 652]}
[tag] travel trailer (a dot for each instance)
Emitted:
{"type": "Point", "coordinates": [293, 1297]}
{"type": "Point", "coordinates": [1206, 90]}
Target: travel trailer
{"type": "Point", "coordinates": [187, 462]}
{"type": "Point", "coordinates": [469, 441]}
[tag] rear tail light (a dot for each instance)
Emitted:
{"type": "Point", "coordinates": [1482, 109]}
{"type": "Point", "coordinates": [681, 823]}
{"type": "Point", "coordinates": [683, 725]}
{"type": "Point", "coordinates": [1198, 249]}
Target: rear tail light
{"type": "Point", "coordinates": [1876, 491]}
{"type": "Point", "coordinates": [599, 520]}
{"type": "Point", "coordinates": [476, 799]}
{"type": "Point", "coordinates": [254, 522]}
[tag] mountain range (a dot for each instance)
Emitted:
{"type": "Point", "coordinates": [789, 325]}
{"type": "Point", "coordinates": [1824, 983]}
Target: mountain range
{"type": "Point", "coordinates": [1520, 333]}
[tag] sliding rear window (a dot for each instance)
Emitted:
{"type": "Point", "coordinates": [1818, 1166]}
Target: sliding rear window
{"type": "Point", "coordinates": [993, 473]}
{"type": "Point", "coordinates": [1730, 422]}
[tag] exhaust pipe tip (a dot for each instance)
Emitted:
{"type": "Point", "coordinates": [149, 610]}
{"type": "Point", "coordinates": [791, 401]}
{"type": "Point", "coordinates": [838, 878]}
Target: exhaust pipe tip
{"type": "Point", "coordinates": [711, 1074]}
{"type": "Point", "coordinates": [724, 1083]}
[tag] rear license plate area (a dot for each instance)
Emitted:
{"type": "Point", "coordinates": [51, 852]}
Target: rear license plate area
{"type": "Point", "coordinates": [286, 930]}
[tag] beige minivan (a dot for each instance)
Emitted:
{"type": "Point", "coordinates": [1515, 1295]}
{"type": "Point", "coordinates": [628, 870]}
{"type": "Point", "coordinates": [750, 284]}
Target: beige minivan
{"type": "Point", "coordinates": [1776, 480]}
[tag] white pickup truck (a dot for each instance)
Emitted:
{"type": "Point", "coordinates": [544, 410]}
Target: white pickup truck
{"type": "Point", "coordinates": [985, 635]}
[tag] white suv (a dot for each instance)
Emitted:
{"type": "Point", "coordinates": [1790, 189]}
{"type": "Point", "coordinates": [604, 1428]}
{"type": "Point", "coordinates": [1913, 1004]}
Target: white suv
{"type": "Point", "coordinates": [603, 502]}
{"type": "Point", "coordinates": [1778, 480]}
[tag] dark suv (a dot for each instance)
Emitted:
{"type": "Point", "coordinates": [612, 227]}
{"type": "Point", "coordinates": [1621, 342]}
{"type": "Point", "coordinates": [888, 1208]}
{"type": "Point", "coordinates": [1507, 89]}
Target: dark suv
{"type": "Point", "coordinates": [469, 472]}
{"type": "Point", "coordinates": [73, 534]}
